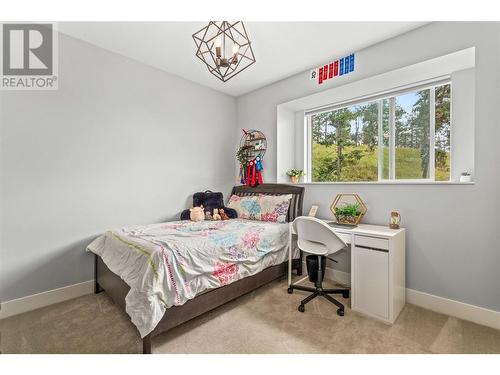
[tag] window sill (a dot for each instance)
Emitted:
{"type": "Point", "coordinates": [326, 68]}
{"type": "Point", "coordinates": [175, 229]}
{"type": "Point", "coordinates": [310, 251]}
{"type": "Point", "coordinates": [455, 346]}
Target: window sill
{"type": "Point", "coordinates": [390, 183]}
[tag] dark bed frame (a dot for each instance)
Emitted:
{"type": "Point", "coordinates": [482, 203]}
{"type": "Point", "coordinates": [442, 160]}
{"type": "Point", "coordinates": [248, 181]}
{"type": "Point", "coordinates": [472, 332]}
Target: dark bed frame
{"type": "Point", "coordinates": [117, 289]}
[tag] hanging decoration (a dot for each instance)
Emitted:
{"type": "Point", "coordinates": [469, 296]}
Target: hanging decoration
{"type": "Point", "coordinates": [225, 48]}
{"type": "Point", "coordinates": [253, 145]}
{"type": "Point", "coordinates": [333, 69]}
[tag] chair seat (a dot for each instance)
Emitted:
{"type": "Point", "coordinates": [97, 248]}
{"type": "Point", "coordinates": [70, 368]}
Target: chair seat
{"type": "Point", "coordinates": [311, 247]}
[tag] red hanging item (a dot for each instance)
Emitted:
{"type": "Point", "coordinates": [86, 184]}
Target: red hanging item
{"type": "Point", "coordinates": [253, 173]}
{"type": "Point", "coordinates": [249, 169]}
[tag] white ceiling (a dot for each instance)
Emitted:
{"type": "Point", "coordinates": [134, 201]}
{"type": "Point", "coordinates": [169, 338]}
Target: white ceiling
{"type": "Point", "coordinates": [281, 48]}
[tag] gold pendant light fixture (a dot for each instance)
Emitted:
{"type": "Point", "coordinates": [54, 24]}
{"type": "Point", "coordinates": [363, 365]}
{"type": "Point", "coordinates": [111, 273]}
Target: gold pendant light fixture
{"type": "Point", "coordinates": [224, 47]}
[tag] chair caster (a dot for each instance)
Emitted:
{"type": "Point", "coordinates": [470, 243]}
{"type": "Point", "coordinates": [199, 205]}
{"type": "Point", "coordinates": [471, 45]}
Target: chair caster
{"type": "Point", "coordinates": [290, 290]}
{"type": "Point", "coordinates": [302, 308]}
{"type": "Point", "coordinates": [345, 294]}
{"type": "Point", "coordinates": [340, 312]}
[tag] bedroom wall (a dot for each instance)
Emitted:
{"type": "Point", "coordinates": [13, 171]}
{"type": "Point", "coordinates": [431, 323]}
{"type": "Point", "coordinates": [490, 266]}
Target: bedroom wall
{"type": "Point", "coordinates": [452, 231]}
{"type": "Point", "coordinates": [120, 143]}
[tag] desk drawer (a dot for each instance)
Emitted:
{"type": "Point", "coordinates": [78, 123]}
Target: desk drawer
{"type": "Point", "coordinates": [371, 243]}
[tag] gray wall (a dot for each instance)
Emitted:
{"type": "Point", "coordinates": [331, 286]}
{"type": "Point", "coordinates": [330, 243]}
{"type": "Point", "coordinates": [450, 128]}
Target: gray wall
{"type": "Point", "coordinates": [453, 240]}
{"type": "Point", "coordinates": [119, 143]}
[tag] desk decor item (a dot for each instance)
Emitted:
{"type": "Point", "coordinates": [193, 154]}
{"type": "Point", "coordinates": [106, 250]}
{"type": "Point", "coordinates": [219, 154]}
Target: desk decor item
{"type": "Point", "coordinates": [348, 209]}
{"type": "Point", "coordinates": [395, 220]}
{"type": "Point", "coordinates": [295, 175]}
{"type": "Point", "coordinates": [313, 210]}
{"type": "Point", "coordinates": [253, 145]}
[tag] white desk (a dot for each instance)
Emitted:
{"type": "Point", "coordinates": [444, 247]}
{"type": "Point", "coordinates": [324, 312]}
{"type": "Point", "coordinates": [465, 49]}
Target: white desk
{"type": "Point", "coordinates": [378, 277]}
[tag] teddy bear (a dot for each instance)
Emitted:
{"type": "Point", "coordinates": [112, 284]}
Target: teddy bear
{"type": "Point", "coordinates": [208, 216]}
{"type": "Point", "coordinates": [223, 215]}
{"type": "Point", "coordinates": [196, 214]}
{"type": "Point", "coordinates": [216, 215]}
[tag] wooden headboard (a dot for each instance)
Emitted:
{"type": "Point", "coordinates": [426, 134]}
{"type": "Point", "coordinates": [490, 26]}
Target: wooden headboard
{"type": "Point", "coordinates": [297, 192]}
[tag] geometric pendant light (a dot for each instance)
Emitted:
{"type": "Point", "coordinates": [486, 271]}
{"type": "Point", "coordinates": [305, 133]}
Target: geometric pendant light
{"type": "Point", "coordinates": [224, 47]}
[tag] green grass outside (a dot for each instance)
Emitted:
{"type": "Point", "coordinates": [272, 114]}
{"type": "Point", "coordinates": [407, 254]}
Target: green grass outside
{"type": "Point", "coordinates": [408, 164]}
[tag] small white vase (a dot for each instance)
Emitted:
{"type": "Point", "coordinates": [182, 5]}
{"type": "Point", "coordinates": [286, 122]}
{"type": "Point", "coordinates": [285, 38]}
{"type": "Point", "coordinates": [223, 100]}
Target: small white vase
{"type": "Point", "coordinates": [465, 178]}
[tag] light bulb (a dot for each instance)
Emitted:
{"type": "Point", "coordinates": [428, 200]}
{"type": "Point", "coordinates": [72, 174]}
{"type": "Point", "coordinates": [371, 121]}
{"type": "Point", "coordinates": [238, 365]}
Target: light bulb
{"type": "Point", "coordinates": [236, 48]}
{"type": "Point", "coordinates": [218, 43]}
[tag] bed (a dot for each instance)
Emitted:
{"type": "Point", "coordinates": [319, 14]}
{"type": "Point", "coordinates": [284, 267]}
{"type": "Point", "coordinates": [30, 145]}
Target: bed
{"type": "Point", "coordinates": [154, 308]}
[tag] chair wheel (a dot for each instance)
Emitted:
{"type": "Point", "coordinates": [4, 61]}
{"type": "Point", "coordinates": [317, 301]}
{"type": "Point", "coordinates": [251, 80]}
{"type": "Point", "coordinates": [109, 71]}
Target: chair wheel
{"type": "Point", "coordinates": [345, 294]}
{"type": "Point", "coordinates": [302, 308]}
{"type": "Point", "coordinates": [340, 312]}
{"type": "Point", "coordinates": [290, 290]}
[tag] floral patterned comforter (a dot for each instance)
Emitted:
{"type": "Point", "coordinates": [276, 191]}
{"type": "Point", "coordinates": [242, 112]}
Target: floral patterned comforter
{"type": "Point", "coordinates": [167, 264]}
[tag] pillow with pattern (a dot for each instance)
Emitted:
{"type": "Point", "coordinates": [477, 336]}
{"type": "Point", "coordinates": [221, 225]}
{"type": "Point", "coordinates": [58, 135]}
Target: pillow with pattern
{"type": "Point", "coordinates": [273, 208]}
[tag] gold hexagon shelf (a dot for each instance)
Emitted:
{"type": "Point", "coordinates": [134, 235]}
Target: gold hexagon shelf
{"type": "Point", "coordinates": [348, 209]}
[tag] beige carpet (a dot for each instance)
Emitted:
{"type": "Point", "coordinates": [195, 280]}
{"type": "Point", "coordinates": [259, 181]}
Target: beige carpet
{"type": "Point", "coordinates": [265, 321]}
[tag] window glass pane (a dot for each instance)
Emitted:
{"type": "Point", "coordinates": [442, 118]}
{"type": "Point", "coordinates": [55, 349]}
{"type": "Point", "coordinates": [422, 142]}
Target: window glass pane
{"type": "Point", "coordinates": [442, 135]}
{"type": "Point", "coordinates": [344, 144]}
{"type": "Point", "coordinates": [412, 141]}
{"type": "Point", "coordinates": [385, 139]}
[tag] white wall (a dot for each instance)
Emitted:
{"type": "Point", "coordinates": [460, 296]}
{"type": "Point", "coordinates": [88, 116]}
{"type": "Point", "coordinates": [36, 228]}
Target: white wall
{"type": "Point", "coordinates": [119, 143]}
{"type": "Point", "coordinates": [462, 133]}
{"type": "Point", "coordinates": [453, 233]}
{"type": "Point", "coordinates": [290, 142]}
{"type": "Point", "coordinates": [300, 139]}
{"type": "Point", "coordinates": [285, 141]}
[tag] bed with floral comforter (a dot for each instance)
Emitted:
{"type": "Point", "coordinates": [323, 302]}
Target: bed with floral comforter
{"type": "Point", "coordinates": [167, 264]}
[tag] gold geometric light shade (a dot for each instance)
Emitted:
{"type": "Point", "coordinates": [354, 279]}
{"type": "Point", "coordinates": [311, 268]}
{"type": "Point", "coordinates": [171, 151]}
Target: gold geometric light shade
{"type": "Point", "coordinates": [348, 209]}
{"type": "Point", "coordinates": [224, 47]}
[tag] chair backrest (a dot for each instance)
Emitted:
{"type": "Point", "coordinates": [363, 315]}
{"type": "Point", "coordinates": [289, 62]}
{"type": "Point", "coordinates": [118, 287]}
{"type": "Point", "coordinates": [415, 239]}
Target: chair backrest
{"type": "Point", "coordinates": [316, 237]}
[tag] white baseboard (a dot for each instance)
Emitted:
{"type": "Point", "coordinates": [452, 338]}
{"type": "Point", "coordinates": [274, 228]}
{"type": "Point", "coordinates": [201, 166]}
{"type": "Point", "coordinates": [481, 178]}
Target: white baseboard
{"type": "Point", "coordinates": [20, 305]}
{"type": "Point", "coordinates": [340, 277]}
{"type": "Point", "coordinates": [461, 310]}
{"type": "Point", "coordinates": [475, 314]}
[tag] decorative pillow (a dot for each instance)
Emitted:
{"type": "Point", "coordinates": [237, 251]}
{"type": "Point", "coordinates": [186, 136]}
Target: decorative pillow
{"type": "Point", "coordinates": [261, 207]}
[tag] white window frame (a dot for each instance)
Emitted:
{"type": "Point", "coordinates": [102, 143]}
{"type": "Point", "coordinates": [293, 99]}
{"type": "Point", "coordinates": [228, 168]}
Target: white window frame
{"type": "Point", "coordinates": [390, 95]}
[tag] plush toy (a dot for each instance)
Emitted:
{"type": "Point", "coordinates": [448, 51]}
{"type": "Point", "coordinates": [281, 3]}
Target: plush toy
{"type": "Point", "coordinates": [196, 214]}
{"type": "Point", "coordinates": [216, 215]}
{"type": "Point", "coordinates": [223, 215]}
{"type": "Point", "coordinates": [208, 216]}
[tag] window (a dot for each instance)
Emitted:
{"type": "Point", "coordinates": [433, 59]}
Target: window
{"type": "Point", "coordinates": [403, 136]}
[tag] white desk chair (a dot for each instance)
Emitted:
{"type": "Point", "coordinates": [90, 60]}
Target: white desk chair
{"type": "Point", "coordinates": [318, 238]}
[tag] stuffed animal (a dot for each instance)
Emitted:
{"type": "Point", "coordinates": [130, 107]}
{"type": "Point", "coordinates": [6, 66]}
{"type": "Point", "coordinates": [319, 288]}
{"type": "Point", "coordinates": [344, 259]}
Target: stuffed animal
{"type": "Point", "coordinates": [223, 215]}
{"type": "Point", "coordinates": [216, 215]}
{"type": "Point", "coordinates": [208, 216]}
{"type": "Point", "coordinates": [196, 214]}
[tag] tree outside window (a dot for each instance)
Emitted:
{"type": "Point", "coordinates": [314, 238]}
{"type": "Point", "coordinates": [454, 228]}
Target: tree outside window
{"type": "Point", "coordinates": [345, 141]}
